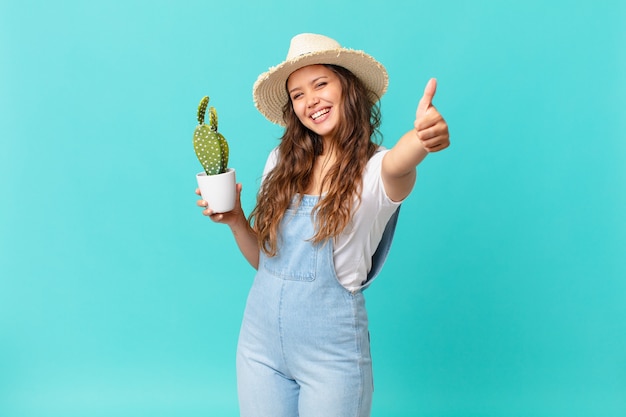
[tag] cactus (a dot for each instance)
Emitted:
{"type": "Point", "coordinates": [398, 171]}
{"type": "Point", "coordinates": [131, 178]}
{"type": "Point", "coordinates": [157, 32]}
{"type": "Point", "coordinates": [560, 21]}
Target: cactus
{"type": "Point", "coordinates": [210, 145]}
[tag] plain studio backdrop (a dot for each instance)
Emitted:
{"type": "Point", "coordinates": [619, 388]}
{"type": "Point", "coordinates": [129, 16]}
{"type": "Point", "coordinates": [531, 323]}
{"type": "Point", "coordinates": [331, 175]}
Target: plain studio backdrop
{"type": "Point", "coordinates": [505, 291]}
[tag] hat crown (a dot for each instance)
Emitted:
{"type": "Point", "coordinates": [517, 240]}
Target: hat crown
{"type": "Point", "coordinates": [307, 43]}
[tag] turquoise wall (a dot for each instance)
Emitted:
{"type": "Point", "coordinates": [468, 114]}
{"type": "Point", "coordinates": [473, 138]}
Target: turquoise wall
{"type": "Point", "coordinates": [504, 294]}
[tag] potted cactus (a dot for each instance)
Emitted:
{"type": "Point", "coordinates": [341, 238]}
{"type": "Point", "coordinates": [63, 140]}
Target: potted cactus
{"type": "Point", "coordinates": [217, 181]}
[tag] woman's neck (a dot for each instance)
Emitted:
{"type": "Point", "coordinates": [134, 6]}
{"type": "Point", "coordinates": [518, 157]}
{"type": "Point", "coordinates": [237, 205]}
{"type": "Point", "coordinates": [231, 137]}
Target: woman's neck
{"type": "Point", "coordinates": [321, 165]}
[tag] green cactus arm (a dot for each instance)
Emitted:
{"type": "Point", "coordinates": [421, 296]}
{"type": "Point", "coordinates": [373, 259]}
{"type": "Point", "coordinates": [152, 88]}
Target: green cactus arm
{"type": "Point", "coordinates": [225, 151]}
{"type": "Point", "coordinates": [213, 119]}
{"type": "Point", "coordinates": [202, 109]}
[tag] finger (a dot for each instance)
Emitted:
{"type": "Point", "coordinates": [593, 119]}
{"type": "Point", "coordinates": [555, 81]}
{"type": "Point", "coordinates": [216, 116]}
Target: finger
{"type": "Point", "coordinates": [217, 217]}
{"type": "Point", "coordinates": [438, 147]}
{"type": "Point", "coordinates": [427, 134]}
{"type": "Point", "coordinates": [430, 118]}
{"type": "Point", "coordinates": [198, 191]}
{"type": "Point", "coordinates": [436, 144]}
{"type": "Point", "coordinates": [202, 203]}
{"type": "Point", "coordinates": [429, 131]}
{"type": "Point", "coordinates": [427, 99]}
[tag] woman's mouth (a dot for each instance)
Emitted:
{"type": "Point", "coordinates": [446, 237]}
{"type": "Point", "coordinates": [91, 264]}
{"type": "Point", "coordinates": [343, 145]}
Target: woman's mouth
{"type": "Point", "coordinates": [318, 115]}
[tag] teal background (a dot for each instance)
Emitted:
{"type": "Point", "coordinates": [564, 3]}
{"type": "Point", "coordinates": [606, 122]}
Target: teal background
{"type": "Point", "coordinates": [504, 294]}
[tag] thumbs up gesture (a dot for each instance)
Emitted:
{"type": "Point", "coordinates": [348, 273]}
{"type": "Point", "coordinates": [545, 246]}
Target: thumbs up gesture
{"type": "Point", "coordinates": [430, 127]}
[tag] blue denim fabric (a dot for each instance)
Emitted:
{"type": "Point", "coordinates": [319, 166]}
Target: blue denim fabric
{"type": "Point", "coordinates": [304, 343]}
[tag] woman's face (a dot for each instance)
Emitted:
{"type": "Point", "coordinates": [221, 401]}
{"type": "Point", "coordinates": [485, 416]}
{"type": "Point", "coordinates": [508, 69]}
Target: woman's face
{"type": "Point", "coordinates": [315, 93]}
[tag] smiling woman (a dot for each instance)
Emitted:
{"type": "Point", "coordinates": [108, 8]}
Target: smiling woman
{"type": "Point", "coordinates": [328, 202]}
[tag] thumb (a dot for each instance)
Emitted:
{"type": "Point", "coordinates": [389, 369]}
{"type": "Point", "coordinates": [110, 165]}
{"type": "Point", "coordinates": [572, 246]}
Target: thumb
{"type": "Point", "coordinates": [238, 188]}
{"type": "Point", "coordinates": [427, 99]}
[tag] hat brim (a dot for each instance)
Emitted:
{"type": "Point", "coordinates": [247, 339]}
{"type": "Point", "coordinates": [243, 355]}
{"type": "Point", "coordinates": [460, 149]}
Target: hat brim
{"type": "Point", "coordinates": [270, 94]}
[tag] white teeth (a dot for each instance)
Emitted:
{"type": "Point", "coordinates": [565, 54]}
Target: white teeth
{"type": "Point", "coordinates": [317, 114]}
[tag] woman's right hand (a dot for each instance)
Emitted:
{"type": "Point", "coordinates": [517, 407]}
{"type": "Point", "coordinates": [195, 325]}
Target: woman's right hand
{"type": "Point", "coordinates": [230, 218]}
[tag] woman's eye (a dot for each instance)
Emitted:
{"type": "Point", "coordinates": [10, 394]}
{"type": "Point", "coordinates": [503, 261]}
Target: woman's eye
{"type": "Point", "coordinates": [322, 84]}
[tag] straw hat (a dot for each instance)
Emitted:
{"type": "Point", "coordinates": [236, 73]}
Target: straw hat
{"type": "Point", "coordinates": [270, 92]}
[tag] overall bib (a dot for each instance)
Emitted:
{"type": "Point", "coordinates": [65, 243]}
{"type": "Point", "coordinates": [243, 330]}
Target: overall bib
{"type": "Point", "coordinates": [304, 344]}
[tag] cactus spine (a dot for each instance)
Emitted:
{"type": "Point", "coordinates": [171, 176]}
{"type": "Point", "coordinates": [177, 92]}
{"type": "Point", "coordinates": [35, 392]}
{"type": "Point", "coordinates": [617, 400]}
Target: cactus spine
{"type": "Point", "coordinates": [210, 145]}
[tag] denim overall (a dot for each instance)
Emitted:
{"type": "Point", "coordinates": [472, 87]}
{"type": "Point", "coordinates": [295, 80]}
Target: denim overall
{"type": "Point", "coordinates": [304, 343]}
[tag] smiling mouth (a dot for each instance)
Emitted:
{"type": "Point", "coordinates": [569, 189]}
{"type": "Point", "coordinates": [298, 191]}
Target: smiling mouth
{"type": "Point", "coordinates": [320, 113]}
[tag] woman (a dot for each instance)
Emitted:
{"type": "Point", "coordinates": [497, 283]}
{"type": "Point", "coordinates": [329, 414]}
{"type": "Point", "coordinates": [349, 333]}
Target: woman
{"type": "Point", "coordinates": [321, 229]}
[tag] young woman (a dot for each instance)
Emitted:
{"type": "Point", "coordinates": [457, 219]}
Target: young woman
{"type": "Point", "coordinates": [321, 228]}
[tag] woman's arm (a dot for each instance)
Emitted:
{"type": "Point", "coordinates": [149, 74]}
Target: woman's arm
{"type": "Point", "coordinates": [244, 235]}
{"type": "Point", "coordinates": [430, 134]}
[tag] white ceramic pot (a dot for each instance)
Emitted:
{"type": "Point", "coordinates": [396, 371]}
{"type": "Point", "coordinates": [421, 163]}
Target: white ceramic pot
{"type": "Point", "coordinates": [218, 190]}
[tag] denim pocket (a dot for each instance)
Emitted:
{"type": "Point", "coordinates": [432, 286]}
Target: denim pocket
{"type": "Point", "coordinates": [297, 255]}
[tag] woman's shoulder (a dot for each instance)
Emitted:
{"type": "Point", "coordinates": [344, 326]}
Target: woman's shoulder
{"type": "Point", "coordinates": [378, 156]}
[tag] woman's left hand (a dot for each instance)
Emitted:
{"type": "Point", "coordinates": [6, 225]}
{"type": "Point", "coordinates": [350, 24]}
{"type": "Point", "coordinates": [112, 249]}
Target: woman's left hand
{"type": "Point", "coordinates": [430, 127]}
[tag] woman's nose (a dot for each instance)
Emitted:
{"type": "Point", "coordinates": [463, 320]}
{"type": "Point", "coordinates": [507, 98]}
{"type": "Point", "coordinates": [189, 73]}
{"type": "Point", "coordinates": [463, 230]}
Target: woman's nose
{"type": "Point", "coordinates": [312, 101]}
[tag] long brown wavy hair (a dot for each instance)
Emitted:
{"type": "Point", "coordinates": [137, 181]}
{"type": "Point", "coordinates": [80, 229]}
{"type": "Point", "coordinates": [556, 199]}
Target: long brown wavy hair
{"type": "Point", "coordinates": [356, 141]}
